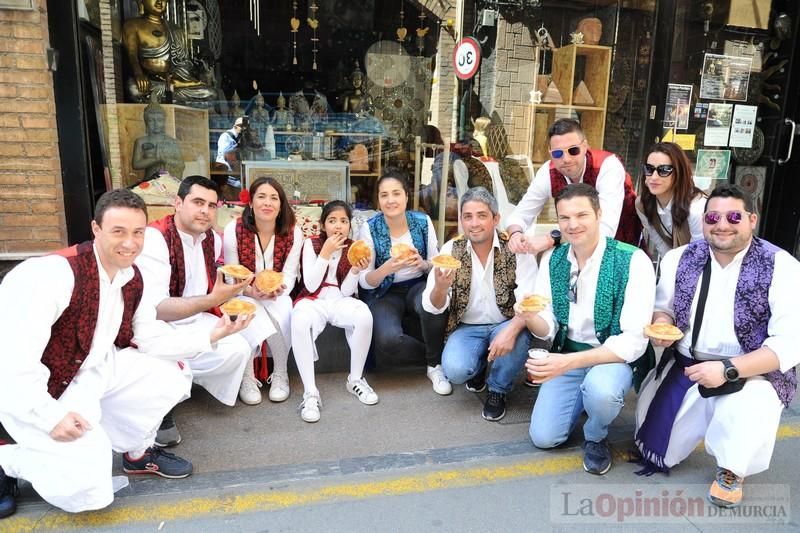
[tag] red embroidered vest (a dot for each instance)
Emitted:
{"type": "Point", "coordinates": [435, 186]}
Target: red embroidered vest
{"type": "Point", "coordinates": [177, 279]}
{"type": "Point", "coordinates": [72, 334]}
{"type": "Point", "coordinates": [246, 247]}
{"type": "Point", "coordinates": [342, 268]}
{"type": "Point", "coordinates": [629, 228]}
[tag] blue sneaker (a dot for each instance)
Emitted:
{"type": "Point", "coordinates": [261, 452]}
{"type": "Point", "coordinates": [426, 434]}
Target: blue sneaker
{"type": "Point", "coordinates": [157, 461]}
{"type": "Point", "coordinates": [596, 457]}
{"type": "Point", "coordinates": [8, 494]}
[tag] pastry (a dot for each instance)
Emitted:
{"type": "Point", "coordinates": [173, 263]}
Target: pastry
{"type": "Point", "coordinates": [236, 271]}
{"type": "Point", "coordinates": [663, 332]}
{"type": "Point", "coordinates": [446, 262]}
{"type": "Point", "coordinates": [235, 307]}
{"type": "Point", "coordinates": [358, 251]}
{"type": "Point", "coordinates": [268, 281]}
{"type": "Point", "coordinates": [402, 251]}
{"type": "Point", "coordinates": [534, 303]}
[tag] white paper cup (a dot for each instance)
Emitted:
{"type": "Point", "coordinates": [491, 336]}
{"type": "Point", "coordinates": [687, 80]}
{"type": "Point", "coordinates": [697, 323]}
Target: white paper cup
{"type": "Point", "coordinates": [445, 271]}
{"type": "Point", "coordinates": [538, 353]}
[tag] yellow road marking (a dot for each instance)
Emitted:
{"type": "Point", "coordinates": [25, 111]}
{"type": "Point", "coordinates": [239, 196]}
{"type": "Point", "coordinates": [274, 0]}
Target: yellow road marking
{"type": "Point", "coordinates": [277, 500]}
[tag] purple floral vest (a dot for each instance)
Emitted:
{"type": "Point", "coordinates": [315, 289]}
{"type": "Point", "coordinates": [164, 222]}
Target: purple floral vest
{"type": "Point", "coordinates": [751, 304]}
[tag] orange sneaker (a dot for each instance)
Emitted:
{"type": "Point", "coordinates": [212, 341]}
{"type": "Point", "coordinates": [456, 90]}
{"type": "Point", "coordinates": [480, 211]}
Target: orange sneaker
{"type": "Point", "coordinates": [726, 490]}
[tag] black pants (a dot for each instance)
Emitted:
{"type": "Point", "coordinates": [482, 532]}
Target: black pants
{"type": "Point", "coordinates": [388, 336]}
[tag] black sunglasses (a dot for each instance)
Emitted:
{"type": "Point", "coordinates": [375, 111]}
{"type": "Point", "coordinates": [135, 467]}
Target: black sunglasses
{"type": "Point", "coordinates": [663, 170]}
{"type": "Point", "coordinates": [572, 150]}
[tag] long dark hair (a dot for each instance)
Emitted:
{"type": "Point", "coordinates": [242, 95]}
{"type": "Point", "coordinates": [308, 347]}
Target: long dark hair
{"type": "Point", "coordinates": [329, 208]}
{"type": "Point", "coordinates": [683, 187]}
{"type": "Point", "coordinates": [285, 220]}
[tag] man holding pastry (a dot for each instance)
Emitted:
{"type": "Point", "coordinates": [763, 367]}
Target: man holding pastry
{"type": "Point", "coordinates": [602, 293]}
{"type": "Point", "coordinates": [479, 280]}
{"type": "Point", "coordinates": [728, 371]}
{"type": "Point", "coordinates": [179, 266]}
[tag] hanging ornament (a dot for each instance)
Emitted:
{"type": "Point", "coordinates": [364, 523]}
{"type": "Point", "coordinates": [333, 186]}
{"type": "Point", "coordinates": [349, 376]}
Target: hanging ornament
{"type": "Point", "coordinates": [294, 23]}
{"type": "Point", "coordinates": [313, 21]}
{"type": "Point", "coordinates": [402, 31]}
{"type": "Point", "coordinates": [422, 31]}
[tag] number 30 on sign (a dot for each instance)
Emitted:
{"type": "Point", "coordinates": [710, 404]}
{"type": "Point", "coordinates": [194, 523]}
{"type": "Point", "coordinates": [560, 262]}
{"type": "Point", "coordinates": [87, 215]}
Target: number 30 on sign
{"type": "Point", "coordinates": [466, 58]}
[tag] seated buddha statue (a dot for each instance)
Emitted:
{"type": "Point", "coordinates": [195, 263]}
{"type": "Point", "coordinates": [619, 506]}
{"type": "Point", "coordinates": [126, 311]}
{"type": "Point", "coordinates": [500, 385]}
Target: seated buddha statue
{"type": "Point", "coordinates": [356, 101]}
{"type": "Point", "coordinates": [157, 54]}
{"type": "Point", "coordinates": [156, 151]}
{"type": "Point", "coordinates": [283, 119]}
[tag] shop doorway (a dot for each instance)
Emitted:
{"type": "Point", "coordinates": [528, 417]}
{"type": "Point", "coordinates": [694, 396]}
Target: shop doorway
{"type": "Point", "coordinates": [724, 84]}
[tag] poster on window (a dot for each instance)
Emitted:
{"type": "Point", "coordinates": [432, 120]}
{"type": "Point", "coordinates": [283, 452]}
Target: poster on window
{"type": "Point", "coordinates": [711, 168]}
{"type": "Point", "coordinates": [718, 124]}
{"type": "Point", "coordinates": [676, 111]}
{"type": "Point", "coordinates": [744, 120]}
{"type": "Point", "coordinates": [725, 77]}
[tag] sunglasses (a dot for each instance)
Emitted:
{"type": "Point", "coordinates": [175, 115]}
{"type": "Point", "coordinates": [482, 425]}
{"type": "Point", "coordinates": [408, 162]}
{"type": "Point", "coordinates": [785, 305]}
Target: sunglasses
{"type": "Point", "coordinates": [663, 170]}
{"type": "Point", "coordinates": [572, 292]}
{"type": "Point", "coordinates": [733, 217]}
{"type": "Point", "coordinates": [572, 150]}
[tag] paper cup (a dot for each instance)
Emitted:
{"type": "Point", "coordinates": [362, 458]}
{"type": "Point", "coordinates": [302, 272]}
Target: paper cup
{"type": "Point", "coordinates": [538, 353]}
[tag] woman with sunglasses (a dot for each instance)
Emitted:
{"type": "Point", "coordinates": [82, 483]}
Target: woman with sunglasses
{"type": "Point", "coordinates": [392, 285]}
{"type": "Point", "coordinates": [670, 206]}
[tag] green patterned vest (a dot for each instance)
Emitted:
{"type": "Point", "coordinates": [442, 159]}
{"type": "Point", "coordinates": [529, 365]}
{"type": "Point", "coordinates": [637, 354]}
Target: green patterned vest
{"type": "Point", "coordinates": [504, 279]}
{"type": "Point", "coordinates": [609, 299]}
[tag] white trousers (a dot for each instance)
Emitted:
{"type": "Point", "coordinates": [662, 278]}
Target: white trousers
{"type": "Point", "coordinates": [261, 327]}
{"type": "Point", "coordinates": [124, 399]}
{"type": "Point", "coordinates": [739, 428]}
{"type": "Point", "coordinates": [220, 370]}
{"type": "Point", "coordinates": [309, 319]}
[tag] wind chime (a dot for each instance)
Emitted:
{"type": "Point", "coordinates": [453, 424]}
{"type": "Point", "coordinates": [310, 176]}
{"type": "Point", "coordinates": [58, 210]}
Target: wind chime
{"type": "Point", "coordinates": [401, 31]}
{"type": "Point", "coordinates": [313, 21]}
{"type": "Point", "coordinates": [255, 15]}
{"type": "Point", "coordinates": [294, 22]}
{"type": "Point", "coordinates": [422, 31]}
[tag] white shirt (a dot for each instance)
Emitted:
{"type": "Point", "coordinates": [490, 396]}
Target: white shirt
{"type": "Point", "coordinates": [265, 260]}
{"type": "Point", "coordinates": [407, 273]}
{"type": "Point", "coordinates": [314, 269]}
{"type": "Point", "coordinates": [717, 337]}
{"type": "Point", "coordinates": [696, 209]}
{"type": "Point", "coordinates": [34, 295]}
{"type": "Point", "coordinates": [610, 186]}
{"type": "Point", "coordinates": [482, 305]}
{"type": "Point", "coordinates": [157, 271]}
{"type": "Point", "coordinates": [637, 309]}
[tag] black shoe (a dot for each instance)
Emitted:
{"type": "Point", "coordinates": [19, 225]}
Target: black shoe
{"type": "Point", "coordinates": [596, 457]}
{"type": "Point", "coordinates": [157, 461]}
{"type": "Point", "coordinates": [495, 407]}
{"type": "Point", "coordinates": [8, 494]}
{"type": "Point", "coordinates": [168, 434]}
{"type": "Point", "coordinates": [478, 382]}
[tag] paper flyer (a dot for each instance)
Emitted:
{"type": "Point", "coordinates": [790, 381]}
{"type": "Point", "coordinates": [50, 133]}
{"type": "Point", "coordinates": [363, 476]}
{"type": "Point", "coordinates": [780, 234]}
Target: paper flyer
{"type": "Point", "coordinates": [744, 120]}
{"type": "Point", "coordinates": [718, 124]}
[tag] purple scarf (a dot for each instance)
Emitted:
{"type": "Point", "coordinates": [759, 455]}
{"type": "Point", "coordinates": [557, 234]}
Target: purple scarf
{"type": "Point", "coordinates": [751, 318]}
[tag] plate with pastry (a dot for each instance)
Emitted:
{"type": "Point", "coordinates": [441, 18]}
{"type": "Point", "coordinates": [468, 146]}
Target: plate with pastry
{"type": "Point", "coordinates": [446, 263]}
{"type": "Point", "coordinates": [402, 251]}
{"type": "Point", "coordinates": [533, 303]}
{"type": "Point", "coordinates": [235, 307]}
{"type": "Point", "coordinates": [663, 332]}
{"type": "Point", "coordinates": [268, 281]}
{"type": "Point", "coordinates": [236, 271]}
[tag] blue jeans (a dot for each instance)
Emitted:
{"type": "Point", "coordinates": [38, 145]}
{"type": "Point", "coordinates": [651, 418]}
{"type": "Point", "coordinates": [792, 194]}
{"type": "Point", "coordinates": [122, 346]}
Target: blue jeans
{"type": "Point", "coordinates": [599, 390]}
{"type": "Point", "coordinates": [465, 352]}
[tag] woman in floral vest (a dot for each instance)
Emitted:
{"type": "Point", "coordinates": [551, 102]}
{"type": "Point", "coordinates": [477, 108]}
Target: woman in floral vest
{"type": "Point", "coordinates": [392, 286]}
{"type": "Point", "coordinates": [265, 237]}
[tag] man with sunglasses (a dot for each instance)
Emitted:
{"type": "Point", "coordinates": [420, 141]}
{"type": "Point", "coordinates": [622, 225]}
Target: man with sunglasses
{"type": "Point", "coordinates": [602, 293]}
{"type": "Point", "coordinates": [573, 161]}
{"type": "Point", "coordinates": [734, 297]}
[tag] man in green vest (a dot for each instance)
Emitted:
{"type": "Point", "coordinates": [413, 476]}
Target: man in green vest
{"type": "Point", "coordinates": [480, 297]}
{"type": "Point", "coordinates": [602, 293]}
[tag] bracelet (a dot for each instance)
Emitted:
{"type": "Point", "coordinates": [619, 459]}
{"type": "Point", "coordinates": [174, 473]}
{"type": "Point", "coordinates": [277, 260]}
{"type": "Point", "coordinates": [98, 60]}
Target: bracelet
{"type": "Point", "coordinates": [514, 233]}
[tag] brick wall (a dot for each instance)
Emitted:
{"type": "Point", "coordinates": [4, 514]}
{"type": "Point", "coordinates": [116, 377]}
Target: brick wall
{"type": "Point", "coordinates": [31, 202]}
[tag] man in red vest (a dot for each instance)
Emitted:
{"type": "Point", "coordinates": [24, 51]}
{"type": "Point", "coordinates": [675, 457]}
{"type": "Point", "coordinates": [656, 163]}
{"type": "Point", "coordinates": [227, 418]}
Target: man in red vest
{"type": "Point", "coordinates": [179, 265]}
{"type": "Point", "coordinates": [573, 161]}
{"type": "Point", "coordinates": [86, 368]}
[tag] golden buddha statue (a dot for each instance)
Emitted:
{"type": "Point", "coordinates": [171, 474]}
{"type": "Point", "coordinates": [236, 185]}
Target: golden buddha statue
{"type": "Point", "coordinates": [157, 54]}
{"type": "Point", "coordinates": [282, 118]}
{"type": "Point", "coordinates": [356, 101]}
{"type": "Point", "coordinates": [156, 151]}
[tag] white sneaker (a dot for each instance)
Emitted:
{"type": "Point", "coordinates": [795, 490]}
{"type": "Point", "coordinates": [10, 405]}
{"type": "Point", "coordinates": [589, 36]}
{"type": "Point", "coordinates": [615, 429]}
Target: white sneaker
{"type": "Point", "coordinates": [439, 380]}
{"type": "Point", "coordinates": [361, 390]}
{"type": "Point", "coordinates": [309, 409]}
{"type": "Point", "coordinates": [279, 387]}
{"type": "Point", "coordinates": [248, 390]}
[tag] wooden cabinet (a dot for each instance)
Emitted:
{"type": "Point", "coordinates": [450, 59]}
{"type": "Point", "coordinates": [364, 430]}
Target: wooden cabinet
{"type": "Point", "coordinates": [580, 72]}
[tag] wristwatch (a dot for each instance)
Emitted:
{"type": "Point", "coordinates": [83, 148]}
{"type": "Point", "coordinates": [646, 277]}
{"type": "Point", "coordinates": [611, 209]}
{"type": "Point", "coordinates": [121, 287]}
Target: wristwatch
{"type": "Point", "coordinates": [556, 236]}
{"type": "Point", "coordinates": [731, 372]}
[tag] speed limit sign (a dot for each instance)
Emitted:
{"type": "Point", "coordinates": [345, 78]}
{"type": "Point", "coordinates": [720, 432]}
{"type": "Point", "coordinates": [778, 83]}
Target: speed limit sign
{"type": "Point", "coordinates": [466, 58]}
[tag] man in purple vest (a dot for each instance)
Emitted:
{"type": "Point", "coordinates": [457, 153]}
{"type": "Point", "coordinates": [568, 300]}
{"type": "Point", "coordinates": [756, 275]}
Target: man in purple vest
{"type": "Point", "coordinates": [86, 368]}
{"type": "Point", "coordinates": [730, 376]}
